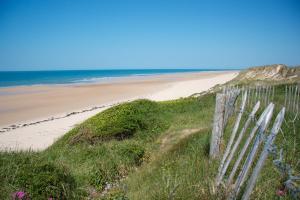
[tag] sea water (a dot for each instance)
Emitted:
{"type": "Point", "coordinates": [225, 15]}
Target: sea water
{"type": "Point", "coordinates": [18, 78]}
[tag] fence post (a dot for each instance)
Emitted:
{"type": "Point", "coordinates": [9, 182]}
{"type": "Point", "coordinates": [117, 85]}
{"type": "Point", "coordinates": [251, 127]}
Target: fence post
{"type": "Point", "coordinates": [218, 126]}
{"type": "Point", "coordinates": [295, 98]}
{"type": "Point", "coordinates": [285, 96]}
{"type": "Point", "coordinates": [249, 98]}
{"type": "Point", "coordinates": [229, 105]}
{"type": "Point", "coordinates": [273, 93]}
{"type": "Point", "coordinates": [289, 97]}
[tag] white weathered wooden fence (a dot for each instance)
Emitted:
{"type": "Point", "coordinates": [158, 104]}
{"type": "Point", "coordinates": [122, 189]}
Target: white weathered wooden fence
{"type": "Point", "coordinates": [225, 104]}
{"type": "Point", "coordinates": [291, 101]}
{"type": "Point", "coordinates": [262, 93]}
{"type": "Point", "coordinates": [265, 94]}
{"type": "Point", "coordinates": [260, 96]}
{"type": "Point", "coordinates": [263, 156]}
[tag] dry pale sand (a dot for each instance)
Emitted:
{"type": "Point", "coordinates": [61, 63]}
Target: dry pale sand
{"type": "Point", "coordinates": [33, 117]}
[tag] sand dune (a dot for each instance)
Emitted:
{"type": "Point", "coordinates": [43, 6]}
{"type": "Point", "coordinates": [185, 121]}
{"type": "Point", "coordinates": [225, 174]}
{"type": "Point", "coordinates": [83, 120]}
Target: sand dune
{"type": "Point", "coordinates": [33, 117]}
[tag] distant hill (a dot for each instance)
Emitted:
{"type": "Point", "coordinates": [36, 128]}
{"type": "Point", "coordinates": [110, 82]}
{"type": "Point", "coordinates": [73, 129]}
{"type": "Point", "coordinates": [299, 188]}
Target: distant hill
{"type": "Point", "coordinates": [277, 72]}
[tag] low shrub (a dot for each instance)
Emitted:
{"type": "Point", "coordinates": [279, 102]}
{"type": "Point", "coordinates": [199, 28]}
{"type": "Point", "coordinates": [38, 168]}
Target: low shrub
{"type": "Point", "coordinates": [119, 122]}
{"type": "Point", "coordinates": [44, 180]}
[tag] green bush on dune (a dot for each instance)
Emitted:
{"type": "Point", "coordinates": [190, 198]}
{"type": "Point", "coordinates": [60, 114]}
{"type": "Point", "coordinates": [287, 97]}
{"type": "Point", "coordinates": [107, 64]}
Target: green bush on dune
{"type": "Point", "coordinates": [119, 122]}
{"type": "Point", "coordinates": [39, 179]}
{"type": "Point", "coordinates": [46, 180]}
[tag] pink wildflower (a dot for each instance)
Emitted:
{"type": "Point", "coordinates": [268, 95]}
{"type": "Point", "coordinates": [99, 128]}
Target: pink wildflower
{"type": "Point", "coordinates": [19, 195]}
{"type": "Point", "coordinates": [281, 192]}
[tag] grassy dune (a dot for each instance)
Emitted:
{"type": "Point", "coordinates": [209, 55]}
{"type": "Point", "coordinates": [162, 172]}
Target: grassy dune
{"type": "Point", "coordinates": [185, 172]}
{"type": "Point", "coordinates": [139, 150]}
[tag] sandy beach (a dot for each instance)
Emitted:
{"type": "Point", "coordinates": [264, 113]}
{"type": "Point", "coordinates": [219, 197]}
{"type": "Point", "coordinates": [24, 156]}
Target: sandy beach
{"type": "Point", "coordinates": [33, 117]}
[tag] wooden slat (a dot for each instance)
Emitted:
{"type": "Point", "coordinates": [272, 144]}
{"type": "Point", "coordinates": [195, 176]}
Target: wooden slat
{"type": "Point", "coordinates": [264, 154]}
{"type": "Point", "coordinates": [233, 134]}
{"type": "Point", "coordinates": [236, 144]}
{"type": "Point", "coordinates": [244, 149]}
{"type": "Point", "coordinates": [250, 158]}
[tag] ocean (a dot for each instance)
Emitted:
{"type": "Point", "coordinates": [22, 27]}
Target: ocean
{"type": "Point", "coordinates": [21, 78]}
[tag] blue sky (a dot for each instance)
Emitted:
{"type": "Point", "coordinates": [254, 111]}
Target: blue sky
{"type": "Point", "coordinates": [106, 34]}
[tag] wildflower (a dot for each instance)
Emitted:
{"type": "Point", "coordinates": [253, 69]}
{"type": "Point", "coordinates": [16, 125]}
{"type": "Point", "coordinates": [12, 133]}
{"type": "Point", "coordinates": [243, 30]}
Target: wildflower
{"type": "Point", "coordinates": [281, 192]}
{"type": "Point", "coordinates": [19, 195]}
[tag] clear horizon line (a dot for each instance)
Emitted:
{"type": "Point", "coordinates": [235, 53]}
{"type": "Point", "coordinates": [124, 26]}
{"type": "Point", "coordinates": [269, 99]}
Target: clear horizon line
{"type": "Point", "coordinates": [114, 69]}
{"type": "Point", "coordinates": [78, 68]}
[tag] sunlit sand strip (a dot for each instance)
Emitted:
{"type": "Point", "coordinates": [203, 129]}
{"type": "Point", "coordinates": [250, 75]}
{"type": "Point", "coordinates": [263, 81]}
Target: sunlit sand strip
{"type": "Point", "coordinates": [42, 135]}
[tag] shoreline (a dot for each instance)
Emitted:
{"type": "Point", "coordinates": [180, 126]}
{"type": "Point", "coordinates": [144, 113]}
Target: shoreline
{"type": "Point", "coordinates": [40, 132]}
{"type": "Point", "coordinates": [105, 79]}
{"type": "Point", "coordinates": [13, 110]}
{"type": "Point", "coordinates": [116, 79]}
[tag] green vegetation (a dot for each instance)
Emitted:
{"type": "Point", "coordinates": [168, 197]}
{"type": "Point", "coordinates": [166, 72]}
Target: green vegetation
{"type": "Point", "coordinates": [143, 150]}
{"type": "Point", "coordinates": [120, 122]}
{"type": "Point", "coordinates": [185, 172]}
{"type": "Point", "coordinates": [38, 177]}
